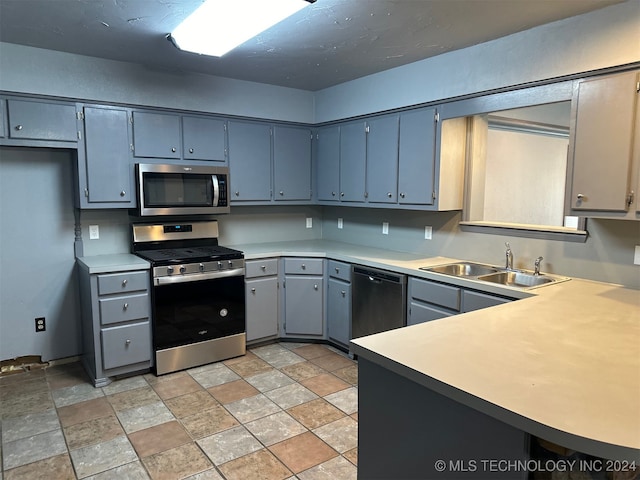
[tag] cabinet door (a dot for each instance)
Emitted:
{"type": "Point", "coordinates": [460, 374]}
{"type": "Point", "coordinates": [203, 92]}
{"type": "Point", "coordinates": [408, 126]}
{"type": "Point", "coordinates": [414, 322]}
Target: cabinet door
{"type": "Point", "coordinates": [42, 121]}
{"type": "Point", "coordinates": [156, 135]}
{"type": "Point", "coordinates": [203, 139]}
{"type": "Point", "coordinates": [107, 156]}
{"type": "Point", "coordinates": [250, 161]}
{"type": "Point", "coordinates": [353, 162]}
{"type": "Point", "coordinates": [475, 301]}
{"type": "Point", "coordinates": [382, 159]}
{"type": "Point", "coordinates": [262, 307]}
{"type": "Point", "coordinates": [303, 305]}
{"type": "Point", "coordinates": [126, 345]}
{"type": "Point", "coordinates": [328, 165]}
{"type": "Point", "coordinates": [423, 312]}
{"type": "Point", "coordinates": [292, 163]}
{"type": "Point", "coordinates": [603, 141]}
{"type": "Point", "coordinates": [416, 157]}
{"type": "Point", "coordinates": [339, 311]}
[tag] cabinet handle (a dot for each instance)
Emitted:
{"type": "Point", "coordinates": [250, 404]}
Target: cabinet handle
{"type": "Point", "coordinates": [281, 192]}
{"type": "Point", "coordinates": [125, 306]}
{"type": "Point", "coordinates": [343, 293]}
{"type": "Point", "coordinates": [315, 287]}
{"type": "Point", "coordinates": [580, 196]}
{"type": "Point", "coordinates": [123, 193]}
{"type": "Point", "coordinates": [304, 266]}
{"type": "Point", "coordinates": [237, 194]}
{"type": "Point", "coordinates": [389, 194]}
{"type": "Point", "coordinates": [402, 195]}
{"type": "Point", "coordinates": [18, 127]}
{"type": "Point", "coordinates": [173, 149]}
{"type": "Point", "coordinates": [337, 270]}
{"type": "Point", "coordinates": [333, 194]}
{"type": "Point", "coordinates": [127, 342]}
{"type": "Point", "coordinates": [342, 194]}
{"type": "Point", "coordinates": [263, 267]}
{"type": "Point", "coordinates": [124, 282]}
{"type": "Point", "coordinates": [191, 150]}
{"type": "Point", "coordinates": [253, 290]}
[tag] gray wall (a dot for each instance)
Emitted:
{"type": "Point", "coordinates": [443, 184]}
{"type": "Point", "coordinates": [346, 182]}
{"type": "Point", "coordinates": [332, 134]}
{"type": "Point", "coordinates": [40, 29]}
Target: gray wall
{"type": "Point", "coordinates": [607, 255]}
{"type": "Point", "coordinates": [37, 264]}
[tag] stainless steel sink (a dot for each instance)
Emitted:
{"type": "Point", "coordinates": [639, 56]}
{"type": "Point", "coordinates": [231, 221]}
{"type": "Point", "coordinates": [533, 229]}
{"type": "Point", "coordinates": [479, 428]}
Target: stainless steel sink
{"type": "Point", "coordinates": [462, 269]}
{"type": "Point", "coordinates": [517, 279]}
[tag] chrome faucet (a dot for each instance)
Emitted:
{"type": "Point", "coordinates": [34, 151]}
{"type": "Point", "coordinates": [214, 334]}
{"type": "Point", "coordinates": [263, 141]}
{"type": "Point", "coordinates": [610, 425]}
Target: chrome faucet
{"type": "Point", "coordinates": [536, 266]}
{"type": "Point", "coordinates": [509, 253]}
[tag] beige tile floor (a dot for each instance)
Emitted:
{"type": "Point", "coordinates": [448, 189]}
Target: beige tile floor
{"type": "Point", "coordinates": [282, 411]}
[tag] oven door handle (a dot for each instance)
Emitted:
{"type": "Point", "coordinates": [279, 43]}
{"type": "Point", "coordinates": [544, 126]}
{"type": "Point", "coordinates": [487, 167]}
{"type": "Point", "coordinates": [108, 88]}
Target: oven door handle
{"type": "Point", "coordinates": [196, 277]}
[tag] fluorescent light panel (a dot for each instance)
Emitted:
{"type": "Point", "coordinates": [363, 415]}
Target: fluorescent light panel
{"type": "Point", "coordinates": [218, 26]}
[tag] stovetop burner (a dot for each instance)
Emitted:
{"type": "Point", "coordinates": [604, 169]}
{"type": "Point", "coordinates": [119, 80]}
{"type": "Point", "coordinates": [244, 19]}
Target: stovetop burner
{"type": "Point", "coordinates": [189, 254]}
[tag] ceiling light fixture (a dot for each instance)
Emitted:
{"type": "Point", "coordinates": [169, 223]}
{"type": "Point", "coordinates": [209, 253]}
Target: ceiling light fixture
{"type": "Point", "coordinates": [218, 26]}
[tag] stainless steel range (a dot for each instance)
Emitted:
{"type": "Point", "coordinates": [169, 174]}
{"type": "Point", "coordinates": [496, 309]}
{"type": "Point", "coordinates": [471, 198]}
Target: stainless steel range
{"type": "Point", "coordinates": [198, 295]}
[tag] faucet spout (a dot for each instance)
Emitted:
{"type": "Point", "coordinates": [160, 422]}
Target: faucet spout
{"type": "Point", "coordinates": [536, 266]}
{"type": "Point", "coordinates": [509, 254]}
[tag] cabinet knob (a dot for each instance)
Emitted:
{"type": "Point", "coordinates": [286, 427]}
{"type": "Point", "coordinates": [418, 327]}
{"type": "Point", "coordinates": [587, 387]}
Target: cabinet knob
{"type": "Point", "coordinates": [337, 270]}
{"type": "Point", "coordinates": [281, 192]}
{"type": "Point", "coordinates": [263, 267]}
{"type": "Point", "coordinates": [127, 342]}
{"type": "Point", "coordinates": [191, 150]}
{"type": "Point", "coordinates": [18, 127]}
{"type": "Point", "coordinates": [124, 282]}
{"type": "Point", "coordinates": [315, 287]}
{"type": "Point", "coordinates": [580, 196]}
{"type": "Point", "coordinates": [389, 194]}
{"type": "Point", "coordinates": [402, 195]}
{"type": "Point", "coordinates": [333, 194]}
{"type": "Point", "coordinates": [173, 149]}
{"type": "Point", "coordinates": [123, 193]}
{"type": "Point", "coordinates": [304, 266]}
{"type": "Point", "coordinates": [125, 306]}
{"type": "Point", "coordinates": [237, 193]}
{"type": "Point", "coordinates": [343, 293]}
{"type": "Point", "coordinates": [342, 194]}
{"type": "Point", "coordinates": [253, 290]}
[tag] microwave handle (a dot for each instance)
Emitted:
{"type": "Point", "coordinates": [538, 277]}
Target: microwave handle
{"type": "Point", "coordinates": [216, 189]}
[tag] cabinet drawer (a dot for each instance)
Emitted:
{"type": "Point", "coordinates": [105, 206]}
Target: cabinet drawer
{"type": "Point", "coordinates": [422, 312]}
{"type": "Point", "coordinates": [340, 270]}
{"type": "Point", "coordinates": [122, 282]}
{"type": "Point", "coordinates": [303, 266]}
{"type": "Point", "coordinates": [126, 345]}
{"type": "Point", "coordinates": [435, 293]}
{"type": "Point", "coordinates": [123, 309]}
{"type": "Point", "coordinates": [261, 268]}
{"type": "Point", "coordinates": [42, 121]}
{"type": "Point", "coordinates": [475, 301]}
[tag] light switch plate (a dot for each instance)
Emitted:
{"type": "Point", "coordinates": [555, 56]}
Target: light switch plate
{"type": "Point", "coordinates": [94, 232]}
{"type": "Point", "coordinates": [340, 223]}
{"type": "Point", "coordinates": [428, 233]}
{"type": "Point", "coordinates": [636, 256]}
{"type": "Point", "coordinates": [309, 222]}
{"type": "Point", "coordinates": [385, 228]}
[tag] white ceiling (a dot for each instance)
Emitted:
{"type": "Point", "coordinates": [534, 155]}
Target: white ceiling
{"type": "Point", "coordinates": [327, 43]}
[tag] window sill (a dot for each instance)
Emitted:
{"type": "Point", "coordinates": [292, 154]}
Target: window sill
{"type": "Point", "coordinates": [543, 232]}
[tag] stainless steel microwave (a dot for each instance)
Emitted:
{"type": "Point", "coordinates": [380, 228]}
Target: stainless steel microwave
{"type": "Point", "coordinates": [172, 189]}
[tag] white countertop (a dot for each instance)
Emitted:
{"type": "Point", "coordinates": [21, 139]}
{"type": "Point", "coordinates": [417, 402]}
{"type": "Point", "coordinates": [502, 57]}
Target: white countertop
{"type": "Point", "coordinates": [118, 262]}
{"type": "Point", "coordinates": [562, 364]}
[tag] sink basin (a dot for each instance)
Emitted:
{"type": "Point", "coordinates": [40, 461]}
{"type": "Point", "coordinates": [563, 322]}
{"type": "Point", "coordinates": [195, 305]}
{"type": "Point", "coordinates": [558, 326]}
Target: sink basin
{"type": "Point", "coordinates": [516, 279]}
{"type": "Point", "coordinates": [462, 269]}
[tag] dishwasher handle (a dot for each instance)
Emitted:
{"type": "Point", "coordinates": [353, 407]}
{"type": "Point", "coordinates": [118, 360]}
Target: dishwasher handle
{"type": "Point", "coordinates": [379, 276]}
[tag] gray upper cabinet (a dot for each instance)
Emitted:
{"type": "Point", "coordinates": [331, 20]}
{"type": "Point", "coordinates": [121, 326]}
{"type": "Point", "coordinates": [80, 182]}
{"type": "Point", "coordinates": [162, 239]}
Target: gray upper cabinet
{"type": "Point", "coordinates": [250, 161]}
{"type": "Point", "coordinates": [353, 161]}
{"type": "Point", "coordinates": [292, 163]}
{"type": "Point", "coordinates": [39, 120]}
{"type": "Point", "coordinates": [204, 139]}
{"type": "Point", "coordinates": [106, 159]}
{"type": "Point", "coordinates": [156, 135]}
{"type": "Point", "coordinates": [602, 141]}
{"type": "Point", "coordinates": [328, 163]}
{"type": "Point", "coordinates": [416, 157]}
{"type": "Point", "coordinates": [382, 159]}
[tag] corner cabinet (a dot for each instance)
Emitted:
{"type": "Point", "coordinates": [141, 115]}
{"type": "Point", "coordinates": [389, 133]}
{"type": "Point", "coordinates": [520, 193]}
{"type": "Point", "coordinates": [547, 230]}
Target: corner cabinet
{"type": "Point", "coordinates": [105, 167]}
{"type": "Point", "coordinates": [116, 325]}
{"type": "Point", "coordinates": [261, 293]}
{"type": "Point", "coordinates": [605, 147]}
{"type": "Point", "coordinates": [303, 297]}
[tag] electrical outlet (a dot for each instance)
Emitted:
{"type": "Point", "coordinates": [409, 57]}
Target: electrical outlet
{"type": "Point", "coordinates": [428, 233]}
{"type": "Point", "coordinates": [309, 222]}
{"type": "Point", "coordinates": [40, 324]}
{"type": "Point", "coordinates": [385, 228]}
{"type": "Point", "coordinates": [636, 256]}
{"type": "Point", "coordinates": [340, 223]}
{"type": "Point", "coordinates": [94, 232]}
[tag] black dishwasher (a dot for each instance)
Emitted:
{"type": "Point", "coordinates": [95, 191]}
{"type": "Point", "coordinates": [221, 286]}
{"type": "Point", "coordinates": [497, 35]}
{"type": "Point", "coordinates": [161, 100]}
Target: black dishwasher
{"type": "Point", "coordinates": [378, 302]}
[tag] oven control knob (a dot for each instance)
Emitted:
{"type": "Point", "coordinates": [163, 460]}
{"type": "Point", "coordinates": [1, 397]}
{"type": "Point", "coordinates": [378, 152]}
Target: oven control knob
{"type": "Point", "coordinates": [219, 265]}
{"type": "Point", "coordinates": [169, 270]}
{"type": "Point", "coordinates": [182, 269]}
{"type": "Point", "coordinates": [201, 266]}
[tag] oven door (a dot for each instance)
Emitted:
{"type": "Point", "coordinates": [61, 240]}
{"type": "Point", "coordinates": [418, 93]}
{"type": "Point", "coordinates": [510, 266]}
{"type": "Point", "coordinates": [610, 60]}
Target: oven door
{"type": "Point", "coordinates": [196, 311]}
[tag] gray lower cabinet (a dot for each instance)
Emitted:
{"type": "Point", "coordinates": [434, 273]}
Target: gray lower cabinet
{"type": "Point", "coordinates": [339, 302]}
{"type": "Point", "coordinates": [428, 300]}
{"type": "Point", "coordinates": [249, 161]}
{"type": "Point", "coordinates": [116, 323]}
{"type": "Point", "coordinates": [303, 297]}
{"type": "Point", "coordinates": [261, 293]}
{"type": "Point", "coordinates": [105, 167]}
{"type": "Point", "coordinates": [32, 121]}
